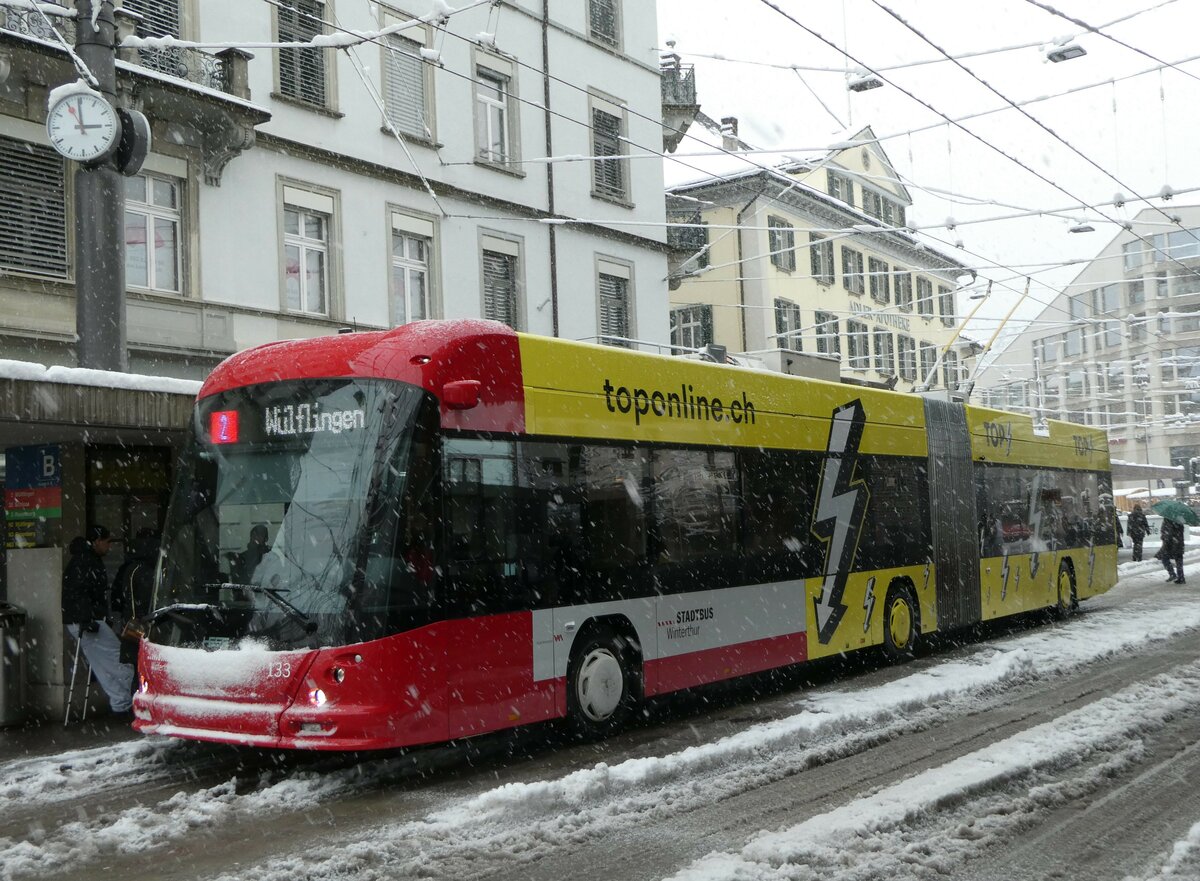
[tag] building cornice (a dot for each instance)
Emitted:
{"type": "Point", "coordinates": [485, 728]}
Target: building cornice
{"type": "Point", "coordinates": [280, 144]}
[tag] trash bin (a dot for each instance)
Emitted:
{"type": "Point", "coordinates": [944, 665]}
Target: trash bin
{"type": "Point", "coordinates": [12, 665]}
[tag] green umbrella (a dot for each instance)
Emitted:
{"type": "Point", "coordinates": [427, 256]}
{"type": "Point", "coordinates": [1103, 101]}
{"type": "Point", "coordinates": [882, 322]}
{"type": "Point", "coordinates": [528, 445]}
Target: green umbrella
{"type": "Point", "coordinates": [1173, 509]}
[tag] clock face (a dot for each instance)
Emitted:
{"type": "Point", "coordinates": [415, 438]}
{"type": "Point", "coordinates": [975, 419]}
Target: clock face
{"type": "Point", "coordinates": [83, 127]}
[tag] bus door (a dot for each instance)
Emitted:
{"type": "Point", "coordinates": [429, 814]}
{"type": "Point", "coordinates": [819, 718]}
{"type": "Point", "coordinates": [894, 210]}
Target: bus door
{"type": "Point", "coordinates": [489, 676]}
{"type": "Point", "coordinates": [952, 504]}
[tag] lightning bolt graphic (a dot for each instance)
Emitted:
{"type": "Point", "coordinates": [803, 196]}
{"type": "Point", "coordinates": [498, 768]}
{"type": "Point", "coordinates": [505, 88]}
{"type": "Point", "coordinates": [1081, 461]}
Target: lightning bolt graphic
{"type": "Point", "coordinates": [1017, 582]}
{"type": "Point", "coordinates": [1091, 561]}
{"type": "Point", "coordinates": [1004, 575]}
{"type": "Point", "coordinates": [869, 603]}
{"type": "Point", "coordinates": [841, 504]}
{"type": "Point", "coordinates": [1035, 523]}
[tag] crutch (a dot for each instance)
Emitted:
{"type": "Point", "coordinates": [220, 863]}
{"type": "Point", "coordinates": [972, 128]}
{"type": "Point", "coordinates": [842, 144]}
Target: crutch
{"type": "Point", "coordinates": [87, 681]}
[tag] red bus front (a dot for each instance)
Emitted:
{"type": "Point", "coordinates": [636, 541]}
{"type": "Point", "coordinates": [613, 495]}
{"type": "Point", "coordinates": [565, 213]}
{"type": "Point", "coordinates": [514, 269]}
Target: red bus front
{"type": "Point", "coordinates": [298, 592]}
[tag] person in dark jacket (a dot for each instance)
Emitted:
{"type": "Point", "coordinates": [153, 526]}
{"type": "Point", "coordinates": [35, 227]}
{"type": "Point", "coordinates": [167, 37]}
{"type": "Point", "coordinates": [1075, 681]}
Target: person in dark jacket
{"type": "Point", "coordinates": [85, 612]}
{"type": "Point", "coordinates": [1137, 530]}
{"type": "Point", "coordinates": [247, 561]}
{"type": "Point", "coordinates": [133, 587]}
{"type": "Point", "coordinates": [1172, 550]}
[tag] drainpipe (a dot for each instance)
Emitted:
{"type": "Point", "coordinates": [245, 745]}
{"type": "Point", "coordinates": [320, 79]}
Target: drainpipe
{"type": "Point", "coordinates": [549, 165]}
{"type": "Point", "coordinates": [741, 266]}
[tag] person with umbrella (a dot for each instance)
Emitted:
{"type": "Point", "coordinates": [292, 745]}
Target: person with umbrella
{"type": "Point", "coordinates": [1175, 516]}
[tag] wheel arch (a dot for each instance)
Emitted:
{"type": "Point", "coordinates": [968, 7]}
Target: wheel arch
{"type": "Point", "coordinates": [621, 626]}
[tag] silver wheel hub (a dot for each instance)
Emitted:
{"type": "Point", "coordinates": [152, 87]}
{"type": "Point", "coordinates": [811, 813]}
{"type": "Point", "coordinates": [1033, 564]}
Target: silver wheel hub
{"type": "Point", "coordinates": [600, 685]}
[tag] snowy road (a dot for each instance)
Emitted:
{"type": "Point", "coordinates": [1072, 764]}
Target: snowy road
{"type": "Point", "coordinates": [1059, 750]}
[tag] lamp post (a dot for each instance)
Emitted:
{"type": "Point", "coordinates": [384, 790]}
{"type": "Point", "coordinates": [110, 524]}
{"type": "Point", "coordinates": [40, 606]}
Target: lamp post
{"type": "Point", "coordinates": [1142, 381]}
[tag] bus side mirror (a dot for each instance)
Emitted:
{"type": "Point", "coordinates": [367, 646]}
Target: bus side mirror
{"type": "Point", "coordinates": [462, 394]}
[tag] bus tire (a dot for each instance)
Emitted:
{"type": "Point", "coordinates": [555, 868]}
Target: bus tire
{"type": "Point", "coordinates": [1067, 603]}
{"type": "Point", "coordinates": [600, 685]}
{"type": "Point", "coordinates": [900, 624]}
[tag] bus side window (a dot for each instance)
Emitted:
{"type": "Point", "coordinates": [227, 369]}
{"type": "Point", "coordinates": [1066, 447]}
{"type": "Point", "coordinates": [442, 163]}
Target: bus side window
{"type": "Point", "coordinates": [481, 537]}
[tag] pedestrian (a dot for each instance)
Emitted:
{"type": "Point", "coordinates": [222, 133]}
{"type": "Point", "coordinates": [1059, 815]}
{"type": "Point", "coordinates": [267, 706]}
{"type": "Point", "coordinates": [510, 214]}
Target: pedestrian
{"type": "Point", "coordinates": [1120, 531]}
{"type": "Point", "coordinates": [1172, 550]}
{"type": "Point", "coordinates": [132, 592]}
{"type": "Point", "coordinates": [1138, 527]}
{"type": "Point", "coordinates": [85, 613]}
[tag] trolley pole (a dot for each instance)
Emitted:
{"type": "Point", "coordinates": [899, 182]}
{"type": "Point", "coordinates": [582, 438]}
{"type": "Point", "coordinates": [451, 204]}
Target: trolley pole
{"type": "Point", "coordinates": [99, 213]}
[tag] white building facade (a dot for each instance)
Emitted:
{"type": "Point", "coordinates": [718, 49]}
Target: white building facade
{"type": "Point", "coordinates": [303, 190]}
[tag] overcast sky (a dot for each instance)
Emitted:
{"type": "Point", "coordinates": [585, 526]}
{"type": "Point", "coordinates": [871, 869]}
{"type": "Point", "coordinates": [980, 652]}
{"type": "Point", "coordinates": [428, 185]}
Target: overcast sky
{"type": "Point", "coordinates": [1140, 130]}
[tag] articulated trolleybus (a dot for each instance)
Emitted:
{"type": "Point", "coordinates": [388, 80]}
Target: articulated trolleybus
{"type": "Point", "coordinates": [404, 537]}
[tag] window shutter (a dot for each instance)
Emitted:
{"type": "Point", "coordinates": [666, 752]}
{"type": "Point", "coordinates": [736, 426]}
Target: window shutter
{"type": "Point", "coordinates": [404, 86]}
{"type": "Point", "coordinates": [500, 287]}
{"type": "Point", "coordinates": [160, 18]}
{"type": "Point", "coordinates": [33, 209]}
{"type": "Point", "coordinates": [609, 174]}
{"type": "Point", "coordinates": [603, 21]}
{"type": "Point", "coordinates": [614, 308]}
{"type": "Point", "coordinates": [301, 71]}
{"type": "Point", "coordinates": [706, 324]}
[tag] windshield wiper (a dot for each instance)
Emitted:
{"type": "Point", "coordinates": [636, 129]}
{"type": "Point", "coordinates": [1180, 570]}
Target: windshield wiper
{"type": "Point", "coordinates": [274, 594]}
{"type": "Point", "coordinates": [177, 608]}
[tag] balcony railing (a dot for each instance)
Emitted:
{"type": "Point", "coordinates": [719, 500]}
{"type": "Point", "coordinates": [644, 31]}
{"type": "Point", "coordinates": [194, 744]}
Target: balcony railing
{"type": "Point", "coordinates": [190, 65]}
{"type": "Point", "coordinates": [678, 84]}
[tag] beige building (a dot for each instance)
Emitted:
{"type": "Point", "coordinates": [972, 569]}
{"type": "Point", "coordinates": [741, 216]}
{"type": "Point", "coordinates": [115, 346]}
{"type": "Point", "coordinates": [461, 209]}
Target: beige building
{"type": "Point", "coordinates": [814, 257]}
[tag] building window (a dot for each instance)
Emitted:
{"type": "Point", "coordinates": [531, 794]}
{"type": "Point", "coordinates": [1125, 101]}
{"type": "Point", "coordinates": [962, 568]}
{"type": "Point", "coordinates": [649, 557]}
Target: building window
{"type": "Point", "coordinates": [1136, 292]}
{"type": "Point", "coordinates": [1073, 344]}
{"type": "Point", "coordinates": [902, 285]}
{"type": "Point", "coordinates": [906, 353]}
{"type": "Point", "coordinates": [880, 289]}
{"type": "Point", "coordinates": [1183, 407]}
{"type": "Point", "coordinates": [405, 98]}
{"type": "Point", "coordinates": [1185, 283]}
{"type": "Point", "coordinates": [158, 18]}
{"type": "Point", "coordinates": [950, 374]}
{"type": "Point", "coordinates": [609, 178]}
{"type": "Point", "coordinates": [924, 296]}
{"type": "Point", "coordinates": [828, 334]}
{"type": "Point", "coordinates": [946, 305]}
{"type": "Point", "coordinates": [820, 251]}
{"type": "Point", "coordinates": [412, 247]}
{"type": "Point", "coordinates": [1182, 363]}
{"type": "Point", "coordinates": [841, 186]}
{"type": "Point", "coordinates": [152, 223]}
{"type": "Point", "coordinates": [33, 209]}
{"type": "Point", "coordinates": [852, 270]}
{"type": "Point", "coordinates": [1133, 255]}
{"type": "Point", "coordinates": [1076, 385]}
{"type": "Point", "coordinates": [691, 327]}
{"type": "Point", "coordinates": [781, 241]}
{"type": "Point", "coordinates": [301, 71]}
{"type": "Point", "coordinates": [885, 358]}
{"type": "Point", "coordinates": [493, 140]}
{"type": "Point", "coordinates": [612, 289]}
{"type": "Point", "coordinates": [1048, 349]}
{"type": "Point", "coordinates": [688, 234]}
{"type": "Point", "coordinates": [500, 281]}
{"type": "Point", "coordinates": [604, 21]}
{"type": "Point", "coordinates": [787, 325]}
{"type": "Point", "coordinates": [858, 345]}
{"type": "Point", "coordinates": [928, 363]}
{"type": "Point", "coordinates": [306, 259]}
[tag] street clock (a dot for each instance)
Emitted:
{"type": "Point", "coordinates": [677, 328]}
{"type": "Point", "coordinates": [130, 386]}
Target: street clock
{"type": "Point", "coordinates": [83, 126]}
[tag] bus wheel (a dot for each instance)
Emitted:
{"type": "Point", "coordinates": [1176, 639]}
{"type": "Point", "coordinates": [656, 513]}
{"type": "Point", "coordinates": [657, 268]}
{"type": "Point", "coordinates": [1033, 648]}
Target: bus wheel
{"type": "Point", "coordinates": [899, 624]}
{"type": "Point", "coordinates": [1068, 602]}
{"type": "Point", "coordinates": [600, 689]}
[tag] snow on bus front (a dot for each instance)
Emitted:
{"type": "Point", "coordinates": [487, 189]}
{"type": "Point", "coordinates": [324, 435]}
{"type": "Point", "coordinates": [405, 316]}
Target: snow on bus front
{"type": "Point", "coordinates": [233, 695]}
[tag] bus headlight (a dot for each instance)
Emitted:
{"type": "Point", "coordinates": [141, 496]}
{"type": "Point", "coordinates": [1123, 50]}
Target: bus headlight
{"type": "Point", "coordinates": [317, 698]}
{"type": "Point", "coordinates": [338, 674]}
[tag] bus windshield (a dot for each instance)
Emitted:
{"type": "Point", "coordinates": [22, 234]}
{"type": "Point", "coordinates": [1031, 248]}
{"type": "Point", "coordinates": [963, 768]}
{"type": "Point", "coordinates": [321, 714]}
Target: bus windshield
{"type": "Point", "coordinates": [297, 518]}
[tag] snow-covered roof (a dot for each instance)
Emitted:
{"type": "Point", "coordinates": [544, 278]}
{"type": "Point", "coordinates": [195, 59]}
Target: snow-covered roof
{"type": "Point", "coordinates": [33, 372]}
